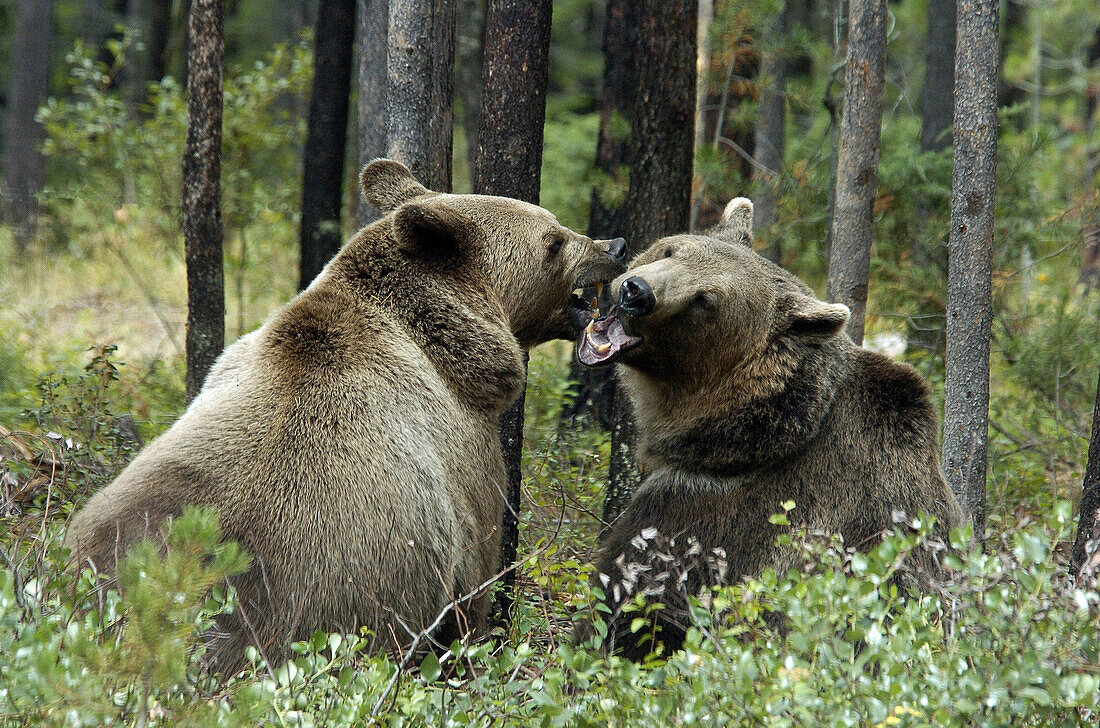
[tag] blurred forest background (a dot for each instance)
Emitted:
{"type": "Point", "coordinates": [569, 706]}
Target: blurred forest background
{"type": "Point", "coordinates": [92, 252]}
{"type": "Point", "coordinates": [94, 319]}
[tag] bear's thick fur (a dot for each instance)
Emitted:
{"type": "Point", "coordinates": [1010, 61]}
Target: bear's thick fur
{"type": "Point", "coordinates": [350, 443]}
{"type": "Point", "coordinates": [748, 393]}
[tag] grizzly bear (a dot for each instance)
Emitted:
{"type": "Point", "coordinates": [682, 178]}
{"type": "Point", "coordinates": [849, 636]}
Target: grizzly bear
{"type": "Point", "coordinates": [748, 393]}
{"type": "Point", "coordinates": [350, 443]}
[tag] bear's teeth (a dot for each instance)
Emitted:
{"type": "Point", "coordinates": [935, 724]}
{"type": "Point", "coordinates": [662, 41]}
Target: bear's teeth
{"type": "Point", "coordinates": [591, 328]}
{"type": "Point", "coordinates": [599, 288]}
{"type": "Point", "coordinates": [602, 348]}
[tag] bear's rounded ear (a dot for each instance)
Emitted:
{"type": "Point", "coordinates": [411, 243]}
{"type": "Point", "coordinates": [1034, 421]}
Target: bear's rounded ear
{"type": "Point", "coordinates": [432, 229]}
{"type": "Point", "coordinates": [815, 320]}
{"type": "Point", "coordinates": [736, 223]}
{"type": "Point", "coordinates": [386, 184]}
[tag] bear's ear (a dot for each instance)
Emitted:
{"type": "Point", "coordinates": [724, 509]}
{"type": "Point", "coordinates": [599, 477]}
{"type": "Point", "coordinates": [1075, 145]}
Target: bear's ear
{"type": "Point", "coordinates": [814, 320]}
{"type": "Point", "coordinates": [432, 229]}
{"type": "Point", "coordinates": [386, 184]}
{"type": "Point", "coordinates": [736, 223]}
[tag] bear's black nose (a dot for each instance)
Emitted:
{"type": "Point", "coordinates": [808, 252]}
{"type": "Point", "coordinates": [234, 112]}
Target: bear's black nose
{"type": "Point", "coordinates": [636, 297]}
{"type": "Point", "coordinates": [617, 250]}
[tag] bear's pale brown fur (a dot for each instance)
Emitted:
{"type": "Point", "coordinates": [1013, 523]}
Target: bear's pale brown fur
{"type": "Point", "coordinates": [350, 443]}
{"type": "Point", "coordinates": [748, 393]}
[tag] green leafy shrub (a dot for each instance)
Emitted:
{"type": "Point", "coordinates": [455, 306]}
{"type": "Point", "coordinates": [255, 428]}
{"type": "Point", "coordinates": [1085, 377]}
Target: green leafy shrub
{"type": "Point", "coordinates": [89, 662]}
{"type": "Point", "coordinates": [1009, 640]}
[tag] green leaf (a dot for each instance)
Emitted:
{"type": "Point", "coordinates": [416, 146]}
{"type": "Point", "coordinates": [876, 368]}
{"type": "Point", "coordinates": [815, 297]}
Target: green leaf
{"type": "Point", "coordinates": [430, 668]}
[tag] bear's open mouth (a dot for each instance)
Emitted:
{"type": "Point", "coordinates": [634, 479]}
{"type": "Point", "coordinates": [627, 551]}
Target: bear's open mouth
{"type": "Point", "coordinates": [587, 301]}
{"type": "Point", "coordinates": [603, 339]}
{"type": "Point", "coordinates": [595, 315]}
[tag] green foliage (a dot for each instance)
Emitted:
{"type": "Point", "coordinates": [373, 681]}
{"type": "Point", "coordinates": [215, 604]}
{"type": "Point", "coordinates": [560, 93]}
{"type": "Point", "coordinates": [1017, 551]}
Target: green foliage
{"type": "Point", "coordinates": [132, 660]}
{"type": "Point", "coordinates": [566, 160]}
{"type": "Point", "coordinates": [1009, 640]}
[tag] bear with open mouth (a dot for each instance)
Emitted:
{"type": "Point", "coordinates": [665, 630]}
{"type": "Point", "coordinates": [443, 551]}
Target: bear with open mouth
{"type": "Point", "coordinates": [748, 393]}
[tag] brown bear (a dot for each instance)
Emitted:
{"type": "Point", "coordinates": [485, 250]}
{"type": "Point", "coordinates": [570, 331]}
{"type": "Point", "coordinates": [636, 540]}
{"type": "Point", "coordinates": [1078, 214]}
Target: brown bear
{"type": "Point", "coordinates": [748, 393]}
{"type": "Point", "coordinates": [350, 443]}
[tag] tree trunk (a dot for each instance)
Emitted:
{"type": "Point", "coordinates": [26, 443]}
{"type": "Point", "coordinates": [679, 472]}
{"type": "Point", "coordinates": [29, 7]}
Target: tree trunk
{"type": "Point", "coordinates": [938, 95]}
{"type": "Point", "coordinates": [857, 160]}
{"type": "Point", "coordinates": [937, 110]}
{"type": "Point", "coordinates": [323, 158]}
{"type": "Point", "coordinates": [1090, 229]}
{"type": "Point", "coordinates": [24, 167]}
{"type": "Point", "coordinates": [201, 203]}
{"type": "Point", "coordinates": [658, 202]}
{"type": "Point", "coordinates": [702, 92]}
{"type": "Point", "coordinates": [509, 163]}
{"type": "Point", "coordinates": [769, 137]}
{"type": "Point", "coordinates": [970, 250]}
{"type": "Point", "coordinates": [1090, 497]}
{"type": "Point", "coordinates": [596, 387]}
{"type": "Point", "coordinates": [373, 112]}
{"type": "Point", "coordinates": [159, 24]}
{"type": "Point", "coordinates": [420, 88]}
{"type": "Point", "coordinates": [469, 59]}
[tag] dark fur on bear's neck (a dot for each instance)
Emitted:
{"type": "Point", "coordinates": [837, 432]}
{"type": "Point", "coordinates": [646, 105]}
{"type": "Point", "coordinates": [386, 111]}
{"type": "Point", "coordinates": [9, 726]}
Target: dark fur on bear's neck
{"type": "Point", "coordinates": [753, 431]}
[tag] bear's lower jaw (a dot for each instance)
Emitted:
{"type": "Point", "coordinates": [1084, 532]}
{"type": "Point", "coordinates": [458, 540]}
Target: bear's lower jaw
{"type": "Point", "coordinates": [603, 340]}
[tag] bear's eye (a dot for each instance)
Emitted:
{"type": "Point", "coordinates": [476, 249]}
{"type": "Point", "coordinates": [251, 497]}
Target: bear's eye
{"type": "Point", "coordinates": [556, 244]}
{"type": "Point", "coordinates": [668, 252]}
{"type": "Point", "coordinates": [705, 300]}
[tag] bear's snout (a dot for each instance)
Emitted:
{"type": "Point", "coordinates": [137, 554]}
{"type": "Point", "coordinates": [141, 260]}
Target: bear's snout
{"type": "Point", "coordinates": [617, 250]}
{"type": "Point", "coordinates": [636, 297]}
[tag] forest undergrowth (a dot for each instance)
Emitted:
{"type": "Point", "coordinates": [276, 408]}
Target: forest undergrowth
{"type": "Point", "coordinates": [91, 368]}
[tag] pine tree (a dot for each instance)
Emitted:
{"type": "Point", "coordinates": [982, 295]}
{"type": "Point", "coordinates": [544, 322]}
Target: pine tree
{"type": "Point", "coordinates": [857, 160]}
{"type": "Point", "coordinates": [201, 203]}
{"type": "Point", "coordinates": [323, 157]}
{"type": "Point", "coordinates": [509, 163]}
{"type": "Point", "coordinates": [970, 256]}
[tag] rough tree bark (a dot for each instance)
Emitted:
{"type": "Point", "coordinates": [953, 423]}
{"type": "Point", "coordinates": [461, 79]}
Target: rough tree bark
{"type": "Point", "coordinates": [596, 387]}
{"type": "Point", "coordinates": [970, 255]}
{"type": "Point", "coordinates": [24, 168]}
{"type": "Point", "coordinates": [201, 201]}
{"type": "Point", "coordinates": [1090, 494]}
{"type": "Point", "coordinates": [509, 163]}
{"type": "Point", "coordinates": [420, 89]}
{"type": "Point", "coordinates": [323, 157]}
{"type": "Point", "coordinates": [857, 160]}
{"type": "Point", "coordinates": [373, 32]}
{"type": "Point", "coordinates": [658, 202]}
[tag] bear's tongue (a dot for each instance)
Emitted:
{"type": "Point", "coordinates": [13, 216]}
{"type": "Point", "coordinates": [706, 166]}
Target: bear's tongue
{"type": "Point", "coordinates": [602, 340]}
